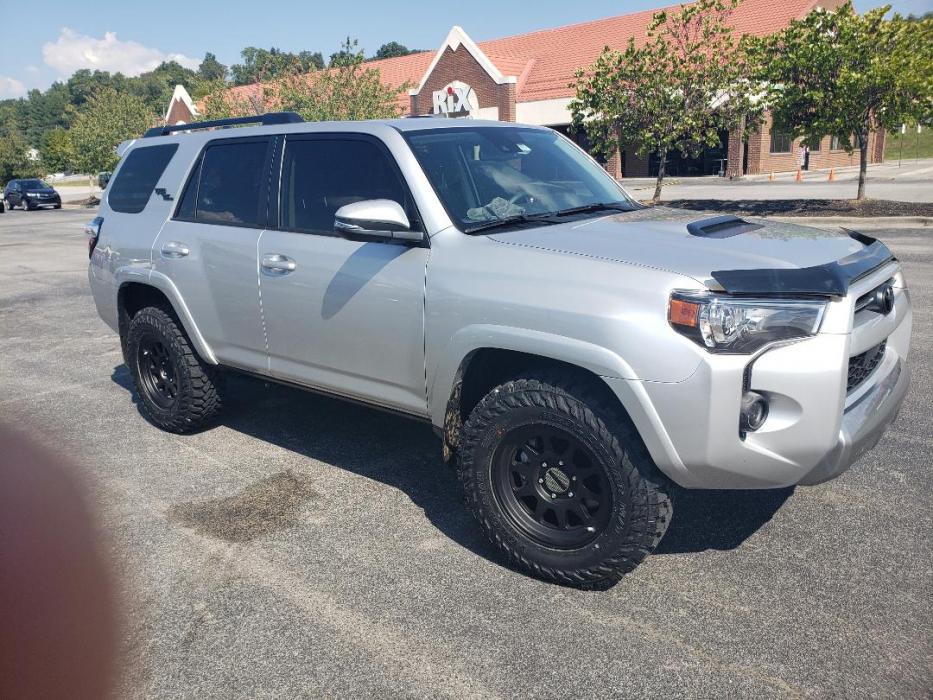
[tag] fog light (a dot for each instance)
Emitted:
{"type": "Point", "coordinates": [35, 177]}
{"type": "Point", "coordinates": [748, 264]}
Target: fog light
{"type": "Point", "coordinates": [754, 412]}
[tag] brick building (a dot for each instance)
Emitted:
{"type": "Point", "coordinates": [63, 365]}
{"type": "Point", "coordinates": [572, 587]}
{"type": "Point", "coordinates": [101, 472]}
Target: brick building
{"type": "Point", "coordinates": [528, 77]}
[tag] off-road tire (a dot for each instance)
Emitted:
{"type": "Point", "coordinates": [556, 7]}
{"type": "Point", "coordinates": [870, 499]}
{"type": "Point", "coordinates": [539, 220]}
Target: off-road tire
{"type": "Point", "coordinates": [198, 398]}
{"type": "Point", "coordinates": [641, 508]}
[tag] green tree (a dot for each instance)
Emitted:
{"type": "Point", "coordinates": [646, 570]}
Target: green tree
{"type": "Point", "coordinates": [108, 118]}
{"type": "Point", "coordinates": [677, 91]}
{"type": "Point", "coordinates": [260, 65]}
{"type": "Point", "coordinates": [848, 75]}
{"type": "Point", "coordinates": [57, 153]}
{"type": "Point", "coordinates": [212, 70]}
{"type": "Point", "coordinates": [84, 83]}
{"type": "Point", "coordinates": [346, 90]}
{"type": "Point", "coordinates": [391, 50]}
{"type": "Point", "coordinates": [310, 61]}
{"type": "Point", "coordinates": [14, 156]}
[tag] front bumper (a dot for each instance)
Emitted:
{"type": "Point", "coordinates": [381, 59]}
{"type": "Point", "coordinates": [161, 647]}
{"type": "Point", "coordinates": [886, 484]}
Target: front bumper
{"type": "Point", "coordinates": [863, 423]}
{"type": "Point", "coordinates": [816, 428]}
{"type": "Point", "coordinates": [49, 201]}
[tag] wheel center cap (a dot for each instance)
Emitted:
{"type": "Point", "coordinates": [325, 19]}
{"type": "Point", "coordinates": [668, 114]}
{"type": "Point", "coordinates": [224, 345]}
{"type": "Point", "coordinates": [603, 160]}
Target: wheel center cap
{"type": "Point", "coordinates": [556, 481]}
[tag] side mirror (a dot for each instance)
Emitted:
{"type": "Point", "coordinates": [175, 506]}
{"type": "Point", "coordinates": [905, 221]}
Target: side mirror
{"type": "Point", "coordinates": [375, 220]}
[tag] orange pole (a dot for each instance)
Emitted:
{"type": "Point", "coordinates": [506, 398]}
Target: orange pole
{"type": "Point", "coordinates": [832, 175]}
{"type": "Point", "coordinates": [799, 175]}
{"type": "Point", "coordinates": [771, 177]}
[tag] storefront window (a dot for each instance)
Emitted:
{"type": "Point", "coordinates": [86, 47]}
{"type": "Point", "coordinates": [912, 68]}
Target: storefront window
{"type": "Point", "coordinates": [781, 142]}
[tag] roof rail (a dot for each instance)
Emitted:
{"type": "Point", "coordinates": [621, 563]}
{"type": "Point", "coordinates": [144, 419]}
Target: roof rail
{"type": "Point", "coordinates": [267, 119]}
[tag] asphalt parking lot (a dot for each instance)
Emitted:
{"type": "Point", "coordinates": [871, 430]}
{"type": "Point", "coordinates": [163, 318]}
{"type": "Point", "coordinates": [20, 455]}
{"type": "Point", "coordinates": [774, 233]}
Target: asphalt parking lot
{"type": "Point", "coordinates": [308, 547]}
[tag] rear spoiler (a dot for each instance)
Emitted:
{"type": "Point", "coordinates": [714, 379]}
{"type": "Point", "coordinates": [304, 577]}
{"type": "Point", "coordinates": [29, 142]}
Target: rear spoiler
{"type": "Point", "coordinates": [829, 280]}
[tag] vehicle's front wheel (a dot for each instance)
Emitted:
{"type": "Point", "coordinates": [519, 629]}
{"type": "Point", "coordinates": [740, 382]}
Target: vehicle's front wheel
{"type": "Point", "coordinates": [560, 482]}
{"type": "Point", "coordinates": [177, 390]}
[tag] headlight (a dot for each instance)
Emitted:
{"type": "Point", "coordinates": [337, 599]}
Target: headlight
{"type": "Point", "coordinates": [740, 326]}
{"type": "Point", "coordinates": [32, 194]}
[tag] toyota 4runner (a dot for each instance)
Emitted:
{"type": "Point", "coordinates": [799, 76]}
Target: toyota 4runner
{"type": "Point", "coordinates": [578, 354]}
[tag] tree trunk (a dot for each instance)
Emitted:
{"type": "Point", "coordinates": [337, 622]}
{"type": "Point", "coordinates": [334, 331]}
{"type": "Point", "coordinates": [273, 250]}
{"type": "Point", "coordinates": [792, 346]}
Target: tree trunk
{"type": "Point", "coordinates": [662, 161]}
{"type": "Point", "coordinates": [862, 165]}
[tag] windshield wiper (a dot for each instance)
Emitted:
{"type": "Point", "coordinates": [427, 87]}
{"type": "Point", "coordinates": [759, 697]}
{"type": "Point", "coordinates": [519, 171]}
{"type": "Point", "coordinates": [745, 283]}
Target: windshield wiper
{"type": "Point", "coordinates": [596, 206]}
{"type": "Point", "coordinates": [511, 220]}
{"type": "Point", "coordinates": [547, 217]}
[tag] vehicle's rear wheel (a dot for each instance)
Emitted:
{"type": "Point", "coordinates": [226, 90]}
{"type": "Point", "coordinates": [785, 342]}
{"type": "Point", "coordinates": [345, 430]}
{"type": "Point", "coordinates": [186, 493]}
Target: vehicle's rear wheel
{"type": "Point", "coordinates": [560, 482]}
{"type": "Point", "coordinates": [177, 390]}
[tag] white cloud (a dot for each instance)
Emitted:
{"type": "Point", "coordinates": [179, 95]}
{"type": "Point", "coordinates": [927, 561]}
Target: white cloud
{"type": "Point", "coordinates": [73, 51]}
{"type": "Point", "coordinates": [11, 87]}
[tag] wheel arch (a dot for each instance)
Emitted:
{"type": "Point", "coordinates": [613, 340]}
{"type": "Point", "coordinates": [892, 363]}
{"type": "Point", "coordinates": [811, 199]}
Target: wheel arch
{"type": "Point", "coordinates": [482, 368]}
{"type": "Point", "coordinates": [158, 290]}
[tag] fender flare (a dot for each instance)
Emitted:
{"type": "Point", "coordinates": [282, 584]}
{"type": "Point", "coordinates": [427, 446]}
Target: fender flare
{"type": "Point", "coordinates": [595, 358]}
{"type": "Point", "coordinates": [164, 284]}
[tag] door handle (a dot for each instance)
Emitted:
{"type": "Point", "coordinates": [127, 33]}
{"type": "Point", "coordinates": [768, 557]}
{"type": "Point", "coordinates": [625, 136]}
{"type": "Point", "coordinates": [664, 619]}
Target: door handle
{"type": "Point", "coordinates": [275, 264]}
{"type": "Point", "coordinates": [174, 249]}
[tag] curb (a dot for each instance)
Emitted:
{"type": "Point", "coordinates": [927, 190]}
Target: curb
{"type": "Point", "coordinates": [857, 221]}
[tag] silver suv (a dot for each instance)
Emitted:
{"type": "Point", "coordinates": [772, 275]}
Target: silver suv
{"type": "Point", "coordinates": [579, 355]}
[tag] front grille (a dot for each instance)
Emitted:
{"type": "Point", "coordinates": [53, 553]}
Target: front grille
{"type": "Point", "coordinates": [861, 366]}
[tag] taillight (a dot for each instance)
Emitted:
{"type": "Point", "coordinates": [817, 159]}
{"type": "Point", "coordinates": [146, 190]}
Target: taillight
{"type": "Point", "coordinates": [92, 229]}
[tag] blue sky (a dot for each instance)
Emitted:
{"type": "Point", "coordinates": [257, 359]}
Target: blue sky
{"type": "Point", "coordinates": [132, 37]}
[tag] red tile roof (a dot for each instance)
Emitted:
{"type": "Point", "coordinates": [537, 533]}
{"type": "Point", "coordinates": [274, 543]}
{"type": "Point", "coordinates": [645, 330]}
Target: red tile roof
{"type": "Point", "coordinates": [545, 61]}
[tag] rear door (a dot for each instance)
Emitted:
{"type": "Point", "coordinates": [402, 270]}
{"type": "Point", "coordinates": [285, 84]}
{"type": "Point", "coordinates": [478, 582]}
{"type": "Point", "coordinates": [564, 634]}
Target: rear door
{"type": "Point", "coordinates": [133, 214]}
{"type": "Point", "coordinates": [13, 194]}
{"type": "Point", "coordinates": [208, 248]}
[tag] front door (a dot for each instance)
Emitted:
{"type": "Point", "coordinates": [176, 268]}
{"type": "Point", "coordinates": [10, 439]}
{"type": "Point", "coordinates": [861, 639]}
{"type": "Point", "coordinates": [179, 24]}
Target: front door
{"type": "Point", "coordinates": [208, 249]}
{"type": "Point", "coordinates": [340, 315]}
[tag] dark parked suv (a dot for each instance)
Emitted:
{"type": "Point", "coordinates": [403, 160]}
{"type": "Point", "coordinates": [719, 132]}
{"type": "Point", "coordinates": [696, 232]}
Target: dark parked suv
{"type": "Point", "coordinates": [31, 194]}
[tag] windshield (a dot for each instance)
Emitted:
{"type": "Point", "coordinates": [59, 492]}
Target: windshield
{"type": "Point", "coordinates": [487, 174]}
{"type": "Point", "coordinates": [33, 185]}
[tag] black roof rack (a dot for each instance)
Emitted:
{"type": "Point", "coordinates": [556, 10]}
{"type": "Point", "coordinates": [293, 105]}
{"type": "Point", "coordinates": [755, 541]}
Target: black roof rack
{"type": "Point", "coordinates": [267, 119]}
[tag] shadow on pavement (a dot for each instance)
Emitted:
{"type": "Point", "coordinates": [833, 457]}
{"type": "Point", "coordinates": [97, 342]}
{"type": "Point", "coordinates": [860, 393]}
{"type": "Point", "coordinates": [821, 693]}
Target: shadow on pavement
{"type": "Point", "coordinates": [718, 519]}
{"type": "Point", "coordinates": [405, 454]}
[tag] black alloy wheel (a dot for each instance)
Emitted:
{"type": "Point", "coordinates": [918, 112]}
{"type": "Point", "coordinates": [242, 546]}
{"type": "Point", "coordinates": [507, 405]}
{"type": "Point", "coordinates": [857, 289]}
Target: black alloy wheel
{"type": "Point", "coordinates": [157, 372]}
{"type": "Point", "coordinates": [560, 480]}
{"type": "Point", "coordinates": [551, 486]}
{"type": "Point", "coordinates": [178, 391]}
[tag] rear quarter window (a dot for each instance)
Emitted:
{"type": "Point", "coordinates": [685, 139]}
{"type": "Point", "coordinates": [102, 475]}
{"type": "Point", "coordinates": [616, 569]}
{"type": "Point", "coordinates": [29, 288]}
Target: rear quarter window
{"type": "Point", "coordinates": [130, 191]}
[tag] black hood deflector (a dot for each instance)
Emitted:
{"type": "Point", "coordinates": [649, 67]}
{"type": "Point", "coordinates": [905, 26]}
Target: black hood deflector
{"type": "Point", "coordinates": [831, 279]}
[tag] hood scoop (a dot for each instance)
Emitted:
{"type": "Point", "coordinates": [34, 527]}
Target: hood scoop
{"type": "Point", "coordinates": [721, 227]}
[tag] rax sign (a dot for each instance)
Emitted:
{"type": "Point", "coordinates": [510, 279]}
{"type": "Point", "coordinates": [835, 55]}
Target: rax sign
{"type": "Point", "coordinates": [455, 97]}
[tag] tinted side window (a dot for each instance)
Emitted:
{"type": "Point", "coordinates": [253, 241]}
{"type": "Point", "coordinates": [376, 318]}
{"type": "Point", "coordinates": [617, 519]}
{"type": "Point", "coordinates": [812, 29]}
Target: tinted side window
{"type": "Point", "coordinates": [232, 184]}
{"type": "Point", "coordinates": [138, 176]}
{"type": "Point", "coordinates": [321, 175]}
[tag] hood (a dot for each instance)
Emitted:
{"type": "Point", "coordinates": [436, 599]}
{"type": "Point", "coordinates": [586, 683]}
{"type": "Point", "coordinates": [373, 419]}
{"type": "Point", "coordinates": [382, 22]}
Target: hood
{"type": "Point", "coordinates": [709, 247]}
{"type": "Point", "coordinates": [40, 190]}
